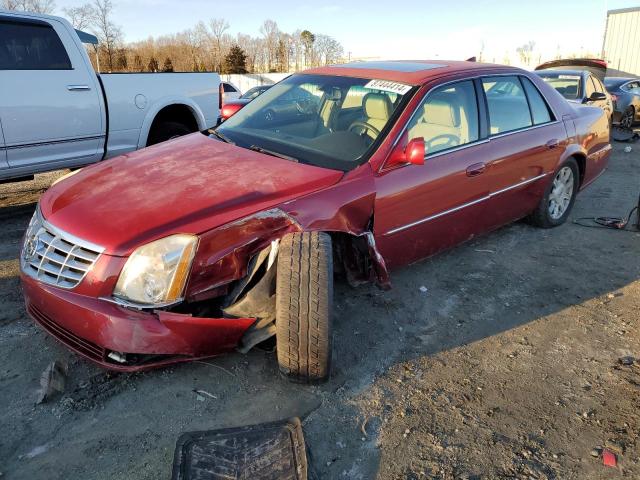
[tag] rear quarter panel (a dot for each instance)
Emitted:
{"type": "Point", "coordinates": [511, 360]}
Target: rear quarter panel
{"type": "Point", "coordinates": [592, 140]}
{"type": "Point", "coordinates": [135, 99]}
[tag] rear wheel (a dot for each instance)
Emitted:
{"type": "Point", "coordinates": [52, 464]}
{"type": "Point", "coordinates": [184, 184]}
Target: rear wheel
{"type": "Point", "coordinates": [628, 116]}
{"type": "Point", "coordinates": [167, 131]}
{"type": "Point", "coordinates": [556, 204]}
{"type": "Point", "coordinates": [304, 297]}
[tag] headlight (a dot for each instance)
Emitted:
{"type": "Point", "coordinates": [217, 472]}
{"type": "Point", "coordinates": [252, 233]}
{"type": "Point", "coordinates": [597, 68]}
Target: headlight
{"type": "Point", "coordinates": [156, 273]}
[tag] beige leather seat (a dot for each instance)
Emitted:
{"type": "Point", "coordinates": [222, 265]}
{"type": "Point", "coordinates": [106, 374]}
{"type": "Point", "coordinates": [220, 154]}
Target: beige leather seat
{"type": "Point", "coordinates": [444, 117]}
{"type": "Point", "coordinates": [377, 109]}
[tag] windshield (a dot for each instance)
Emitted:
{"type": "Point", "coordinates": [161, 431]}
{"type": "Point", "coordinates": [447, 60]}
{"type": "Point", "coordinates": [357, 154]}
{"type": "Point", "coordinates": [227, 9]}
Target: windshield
{"type": "Point", "coordinates": [567, 85]}
{"type": "Point", "coordinates": [321, 120]}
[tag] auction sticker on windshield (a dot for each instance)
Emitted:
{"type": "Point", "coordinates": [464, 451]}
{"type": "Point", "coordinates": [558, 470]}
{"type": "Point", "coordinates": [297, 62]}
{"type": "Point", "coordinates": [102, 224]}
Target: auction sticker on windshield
{"type": "Point", "coordinates": [569, 77]}
{"type": "Point", "coordinates": [386, 86]}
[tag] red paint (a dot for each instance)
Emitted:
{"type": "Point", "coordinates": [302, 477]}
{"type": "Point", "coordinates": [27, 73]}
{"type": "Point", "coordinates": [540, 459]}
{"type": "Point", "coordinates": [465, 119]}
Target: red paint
{"type": "Point", "coordinates": [609, 458]}
{"type": "Point", "coordinates": [237, 201]}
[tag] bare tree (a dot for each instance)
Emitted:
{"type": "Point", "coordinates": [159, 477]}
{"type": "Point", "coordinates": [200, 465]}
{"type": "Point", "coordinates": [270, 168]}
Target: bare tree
{"type": "Point", "coordinates": [80, 17]}
{"type": "Point", "coordinates": [109, 34]}
{"type": "Point", "coordinates": [37, 6]}
{"type": "Point", "coordinates": [218, 28]}
{"type": "Point", "coordinates": [270, 32]}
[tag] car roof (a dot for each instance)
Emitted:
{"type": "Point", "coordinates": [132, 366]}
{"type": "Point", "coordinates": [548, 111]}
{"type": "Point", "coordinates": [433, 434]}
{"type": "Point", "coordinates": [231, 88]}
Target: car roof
{"type": "Point", "coordinates": [412, 72]}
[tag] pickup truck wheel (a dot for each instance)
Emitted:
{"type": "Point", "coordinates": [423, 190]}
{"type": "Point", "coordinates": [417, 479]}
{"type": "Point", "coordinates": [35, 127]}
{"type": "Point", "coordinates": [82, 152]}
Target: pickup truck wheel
{"type": "Point", "coordinates": [558, 199]}
{"type": "Point", "coordinates": [167, 131]}
{"type": "Point", "coordinates": [304, 297]}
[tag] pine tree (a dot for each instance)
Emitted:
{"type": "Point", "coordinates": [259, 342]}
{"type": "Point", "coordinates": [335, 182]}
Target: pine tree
{"type": "Point", "coordinates": [235, 61]}
{"type": "Point", "coordinates": [168, 66]}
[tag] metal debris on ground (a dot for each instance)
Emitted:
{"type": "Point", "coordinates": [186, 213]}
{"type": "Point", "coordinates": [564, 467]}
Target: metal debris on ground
{"type": "Point", "coordinates": [256, 452]}
{"type": "Point", "coordinates": [52, 381]}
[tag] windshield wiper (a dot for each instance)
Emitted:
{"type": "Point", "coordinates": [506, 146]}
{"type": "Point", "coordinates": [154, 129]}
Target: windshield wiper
{"type": "Point", "coordinates": [256, 148]}
{"type": "Point", "coordinates": [221, 136]}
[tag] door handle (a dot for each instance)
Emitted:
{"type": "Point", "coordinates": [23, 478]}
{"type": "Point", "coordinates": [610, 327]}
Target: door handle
{"type": "Point", "coordinates": [552, 143]}
{"type": "Point", "coordinates": [476, 169]}
{"type": "Point", "coordinates": [78, 88]}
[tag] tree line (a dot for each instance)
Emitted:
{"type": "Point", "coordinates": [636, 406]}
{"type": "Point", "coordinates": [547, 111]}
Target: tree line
{"type": "Point", "coordinates": [207, 46]}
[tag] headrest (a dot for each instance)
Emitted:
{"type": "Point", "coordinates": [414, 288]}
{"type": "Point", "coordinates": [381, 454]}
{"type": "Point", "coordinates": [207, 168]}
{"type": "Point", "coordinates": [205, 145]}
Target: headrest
{"type": "Point", "coordinates": [440, 112]}
{"type": "Point", "coordinates": [377, 106]}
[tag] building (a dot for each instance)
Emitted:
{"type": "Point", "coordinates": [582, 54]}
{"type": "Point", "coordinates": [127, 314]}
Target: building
{"type": "Point", "coordinates": [621, 48]}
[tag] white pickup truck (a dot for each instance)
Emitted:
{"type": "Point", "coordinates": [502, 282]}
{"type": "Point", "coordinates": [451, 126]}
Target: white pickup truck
{"type": "Point", "coordinates": [56, 112]}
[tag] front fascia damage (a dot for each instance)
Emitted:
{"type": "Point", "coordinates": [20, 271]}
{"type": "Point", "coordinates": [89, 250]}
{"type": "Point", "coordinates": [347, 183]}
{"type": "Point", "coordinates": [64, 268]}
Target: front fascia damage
{"type": "Point", "coordinates": [234, 271]}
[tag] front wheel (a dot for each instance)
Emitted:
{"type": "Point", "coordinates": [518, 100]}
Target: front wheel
{"type": "Point", "coordinates": [558, 199]}
{"type": "Point", "coordinates": [304, 297]}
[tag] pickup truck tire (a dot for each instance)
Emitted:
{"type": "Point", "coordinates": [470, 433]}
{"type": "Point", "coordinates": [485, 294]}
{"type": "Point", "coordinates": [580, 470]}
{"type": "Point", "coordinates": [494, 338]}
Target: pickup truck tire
{"type": "Point", "coordinates": [564, 188]}
{"type": "Point", "coordinates": [167, 131]}
{"type": "Point", "coordinates": [304, 297]}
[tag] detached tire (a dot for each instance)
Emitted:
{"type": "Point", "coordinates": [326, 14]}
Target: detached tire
{"type": "Point", "coordinates": [304, 298]}
{"type": "Point", "coordinates": [167, 131]}
{"type": "Point", "coordinates": [559, 197]}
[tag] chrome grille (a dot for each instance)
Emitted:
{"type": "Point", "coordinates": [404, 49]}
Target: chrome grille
{"type": "Point", "coordinates": [56, 257]}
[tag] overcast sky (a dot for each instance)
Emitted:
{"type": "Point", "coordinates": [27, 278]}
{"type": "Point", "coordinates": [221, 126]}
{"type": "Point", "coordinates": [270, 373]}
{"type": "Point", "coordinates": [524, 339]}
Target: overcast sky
{"type": "Point", "coordinates": [404, 29]}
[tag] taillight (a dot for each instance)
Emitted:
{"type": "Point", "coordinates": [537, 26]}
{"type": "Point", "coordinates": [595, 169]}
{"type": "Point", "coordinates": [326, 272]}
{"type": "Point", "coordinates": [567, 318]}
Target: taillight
{"type": "Point", "coordinates": [229, 110]}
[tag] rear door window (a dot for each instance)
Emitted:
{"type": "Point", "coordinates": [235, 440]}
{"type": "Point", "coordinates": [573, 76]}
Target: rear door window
{"type": "Point", "coordinates": [31, 46]}
{"type": "Point", "coordinates": [507, 103]}
{"type": "Point", "coordinates": [228, 88]}
{"type": "Point", "coordinates": [540, 111]}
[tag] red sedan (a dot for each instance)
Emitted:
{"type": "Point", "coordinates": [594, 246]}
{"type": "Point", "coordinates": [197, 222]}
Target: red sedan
{"type": "Point", "coordinates": [222, 239]}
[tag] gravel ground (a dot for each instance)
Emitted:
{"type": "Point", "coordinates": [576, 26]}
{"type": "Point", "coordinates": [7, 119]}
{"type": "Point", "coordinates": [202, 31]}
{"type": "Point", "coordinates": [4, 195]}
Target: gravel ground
{"type": "Point", "coordinates": [520, 358]}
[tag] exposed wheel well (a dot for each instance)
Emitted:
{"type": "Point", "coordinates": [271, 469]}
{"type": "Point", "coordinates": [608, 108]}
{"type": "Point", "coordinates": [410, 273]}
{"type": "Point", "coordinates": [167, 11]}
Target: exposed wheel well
{"type": "Point", "coordinates": [178, 113]}
{"type": "Point", "coordinates": [581, 160]}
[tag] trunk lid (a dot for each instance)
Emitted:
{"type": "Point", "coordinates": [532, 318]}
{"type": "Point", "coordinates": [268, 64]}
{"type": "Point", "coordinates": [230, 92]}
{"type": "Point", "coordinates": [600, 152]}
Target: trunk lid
{"type": "Point", "coordinates": [597, 67]}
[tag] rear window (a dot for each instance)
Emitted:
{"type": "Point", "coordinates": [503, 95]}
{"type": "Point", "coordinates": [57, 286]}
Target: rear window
{"type": "Point", "coordinates": [567, 85]}
{"type": "Point", "coordinates": [27, 46]}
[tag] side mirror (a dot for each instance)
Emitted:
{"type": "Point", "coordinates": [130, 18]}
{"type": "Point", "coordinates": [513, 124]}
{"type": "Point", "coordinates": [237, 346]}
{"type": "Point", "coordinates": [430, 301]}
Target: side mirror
{"type": "Point", "coordinates": [413, 152]}
{"type": "Point", "coordinates": [597, 96]}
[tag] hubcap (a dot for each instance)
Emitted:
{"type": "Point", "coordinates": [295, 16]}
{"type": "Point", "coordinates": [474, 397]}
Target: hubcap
{"type": "Point", "coordinates": [561, 193]}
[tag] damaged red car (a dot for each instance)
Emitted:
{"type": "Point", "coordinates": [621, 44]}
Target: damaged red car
{"type": "Point", "coordinates": [221, 239]}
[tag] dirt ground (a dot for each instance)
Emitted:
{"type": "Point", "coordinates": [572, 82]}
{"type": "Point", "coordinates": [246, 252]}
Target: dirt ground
{"type": "Point", "coordinates": [509, 363]}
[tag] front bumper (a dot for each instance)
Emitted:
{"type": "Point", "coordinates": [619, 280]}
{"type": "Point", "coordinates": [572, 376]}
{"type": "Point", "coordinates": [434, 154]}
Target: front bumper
{"type": "Point", "coordinates": [95, 328]}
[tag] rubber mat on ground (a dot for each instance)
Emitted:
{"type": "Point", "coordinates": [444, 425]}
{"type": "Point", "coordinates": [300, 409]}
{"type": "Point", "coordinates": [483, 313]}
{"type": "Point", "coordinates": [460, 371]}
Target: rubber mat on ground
{"type": "Point", "coordinates": [269, 451]}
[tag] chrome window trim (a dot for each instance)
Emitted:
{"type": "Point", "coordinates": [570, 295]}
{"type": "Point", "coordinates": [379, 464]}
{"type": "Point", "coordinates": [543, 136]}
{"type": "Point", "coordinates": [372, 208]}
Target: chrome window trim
{"type": "Point", "coordinates": [471, 78]}
{"type": "Point", "coordinates": [460, 207]}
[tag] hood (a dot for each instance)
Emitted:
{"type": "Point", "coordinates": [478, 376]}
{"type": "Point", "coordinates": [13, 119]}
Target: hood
{"type": "Point", "coordinates": [597, 67]}
{"type": "Point", "coordinates": [188, 185]}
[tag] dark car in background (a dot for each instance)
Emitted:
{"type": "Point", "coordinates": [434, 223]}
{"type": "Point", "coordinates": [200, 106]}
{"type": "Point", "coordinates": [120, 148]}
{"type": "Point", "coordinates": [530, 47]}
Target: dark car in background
{"type": "Point", "coordinates": [625, 93]}
{"type": "Point", "coordinates": [580, 81]}
{"type": "Point", "coordinates": [231, 107]}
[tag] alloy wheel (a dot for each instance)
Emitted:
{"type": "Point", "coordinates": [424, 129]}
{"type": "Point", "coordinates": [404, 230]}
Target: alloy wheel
{"type": "Point", "coordinates": [627, 118]}
{"type": "Point", "coordinates": [561, 193]}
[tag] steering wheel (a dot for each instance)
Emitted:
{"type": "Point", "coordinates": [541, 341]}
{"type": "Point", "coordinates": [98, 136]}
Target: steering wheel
{"type": "Point", "coordinates": [365, 127]}
{"type": "Point", "coordinates": [305, 107]}
{"type": "Point", "coordinates": [450, 140]}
